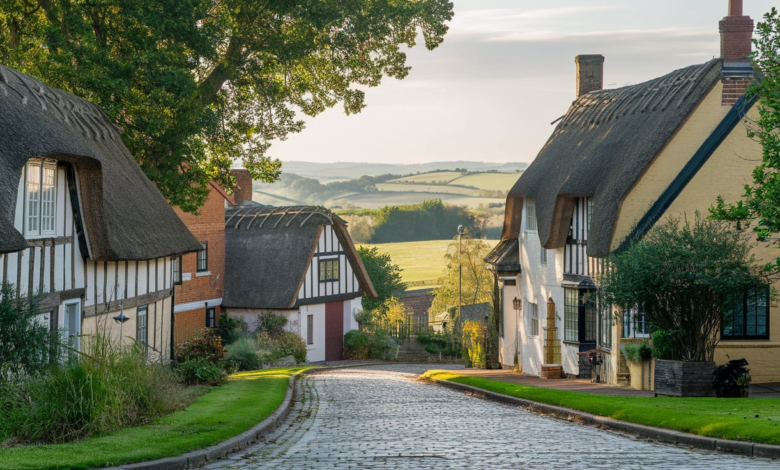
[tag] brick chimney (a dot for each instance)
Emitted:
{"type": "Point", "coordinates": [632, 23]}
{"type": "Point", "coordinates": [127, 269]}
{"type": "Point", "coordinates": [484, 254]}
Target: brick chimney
{"type": "Point", "coordinates": [736, 35]}
{"type": "Point", "coordinates": [590, 73]}
{"type": "Point", "coordinates": [242, 192]}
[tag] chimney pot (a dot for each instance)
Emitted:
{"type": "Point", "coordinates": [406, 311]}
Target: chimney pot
{"type": "Point", "coordinates": [735, 7]}
{"type": "Point", "coordinates": [590, 73]}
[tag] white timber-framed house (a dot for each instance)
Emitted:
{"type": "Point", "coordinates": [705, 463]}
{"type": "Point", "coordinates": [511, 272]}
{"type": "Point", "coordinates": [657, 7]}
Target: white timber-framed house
{"type": "Point", "coordinates": [298, 261]}
{"type": "Point", "coordinates": [81, 227]}
{"type": "Point", "coordinates": [617, 162]}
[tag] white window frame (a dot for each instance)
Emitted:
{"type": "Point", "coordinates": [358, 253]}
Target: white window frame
{"type": "Point", "coordinates": [543, 255]}
{"type": "Point", "coordinates": [44, 211]}
{"type": "Point", "coordinates": [142, 332]}
{"type": "Point", "coordinates": [533, 319]}
{"type": "Point", "coordinates": [629, 329]}
{"type": "Point", "coordinates": [530, 215]}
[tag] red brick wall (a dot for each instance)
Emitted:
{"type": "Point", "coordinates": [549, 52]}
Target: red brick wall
{"type": "Point", "coordinates": [733, 89]}
{"type": "Point", "coordinates": [243, 190]}
{"type": "Point", "coordinates": [207, 226]}
{"type": "Point", "coordinates": [189, 324]}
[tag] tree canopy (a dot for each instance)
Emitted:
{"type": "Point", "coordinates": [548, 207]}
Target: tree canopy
{"type": "Point", "coordinates": [761, 201]}
{"type": "Point", "coordinates": [198, 85]}
{"type": "Point", "coordinates": [384, 274]}
{"type": "Point", "coordinates": [686, 277]}
{"type": "Point", "coordinates": [477, 282]}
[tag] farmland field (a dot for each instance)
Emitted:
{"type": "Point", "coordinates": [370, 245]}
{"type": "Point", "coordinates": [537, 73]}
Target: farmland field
{"type": "Point", "coordinates": [379, 199]}
{"type": "Point", "coordinates": [422, 262]}
{"type": "Point", "coordinates": [427, 188]}
{"type": "Point", "coordinates": [502, 181]}
{"type": "Point", "coordinates": [436, 177]}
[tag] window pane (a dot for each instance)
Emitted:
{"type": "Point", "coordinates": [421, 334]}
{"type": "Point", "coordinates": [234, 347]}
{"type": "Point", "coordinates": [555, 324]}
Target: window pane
{"type": "Point", "coordinates": [33, 197]}
{"type": "Point", "coordinates": [571, 315]}
{"type": "Point", "coordinates": [48, 203]}
{"type": "Point", "coordinates": [530, 215]}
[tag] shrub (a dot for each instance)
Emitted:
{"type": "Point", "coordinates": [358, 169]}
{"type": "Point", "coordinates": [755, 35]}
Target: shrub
{"type": "Point", "coordinates": [357, 344]}
{"type": "Point", "coordinates": [200, 370]}
{"type": "Point", "coordinates": [473, 344]}
{"type": "Point", "coordinates": [207, 346]}
{"type": "Point", "coordinates": [231, 329]}
{"type": "Point", "coordinates": [439, 343]}
{"type": "Point", "coordinates": [637, 352]}
{"type": "Point", "coordinates": [244, 353]}
{"type": "Point", "coordinates": [665, 344]}
{"type": "Point", "coordinates": [26, 346]}
{"type": "Point", "coordinates": [103, 388]}
{"type": "Point", "coordinates": [286, 343]}
{"type": "Point", "coordinates": [271, 323]}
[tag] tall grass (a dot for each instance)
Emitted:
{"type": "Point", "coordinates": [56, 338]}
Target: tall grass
{"type": "Point", "coordinates": [104, 387]}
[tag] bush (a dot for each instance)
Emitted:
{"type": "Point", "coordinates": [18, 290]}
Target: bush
{"type": "Point", "coordinates": [665, 345]}
{"type": "Point", "coordinates": [357, 344]}
{"type": "Point", "coordinates": [637, 352]}
{"type": "Point", "coordinates": [231, 329]}
{"type": "Point", "coordinates": [244, 353]}
{"type": "Point", "coordinates": [200, 370]}
{"type": "Point", "coordinates": [26, 346]}
{"type": "Point", "coordinates": [271, 323]}
{"type": "Point", "coordinates": [286, 343]}
{"type": "Point", "coordinates": [439, 343]}
{"type": "Point", "coordinates": [103, 388]}
{"type": "Point", "coordinates": [207, 346]}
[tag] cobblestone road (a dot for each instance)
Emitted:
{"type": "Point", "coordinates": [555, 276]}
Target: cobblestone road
{"type": "Point", "coordinates": [381, 417]}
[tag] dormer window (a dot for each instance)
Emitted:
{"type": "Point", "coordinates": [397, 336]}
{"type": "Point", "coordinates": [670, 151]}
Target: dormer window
{"type": "Point", "coordinates": [530, 215]}
{"type": "Point", "coordinates": [40, 207]}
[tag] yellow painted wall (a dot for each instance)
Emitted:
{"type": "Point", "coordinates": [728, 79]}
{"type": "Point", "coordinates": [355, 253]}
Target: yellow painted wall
{"type": "Point", "coordinates": [158, 324]}
{"type": "Point", "coordinates": [724, 174]}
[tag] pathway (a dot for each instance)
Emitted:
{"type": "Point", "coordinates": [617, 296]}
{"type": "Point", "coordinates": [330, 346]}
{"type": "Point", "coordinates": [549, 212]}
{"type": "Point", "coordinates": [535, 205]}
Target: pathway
{"type": "Point", "coordinates": [382, 417]}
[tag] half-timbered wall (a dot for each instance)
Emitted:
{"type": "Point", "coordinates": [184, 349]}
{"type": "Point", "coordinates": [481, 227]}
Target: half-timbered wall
{"type": "Point", "coordinates": [54, 268]}
{"type": "Point", "coordinates": [313, 289]}
{"type": "Point", "coordinates": [576, 249]}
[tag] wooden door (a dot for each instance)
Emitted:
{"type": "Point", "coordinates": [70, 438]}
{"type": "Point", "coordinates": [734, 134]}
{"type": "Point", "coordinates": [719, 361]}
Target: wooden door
{"type": "Point", "coordinates": [334, 330]}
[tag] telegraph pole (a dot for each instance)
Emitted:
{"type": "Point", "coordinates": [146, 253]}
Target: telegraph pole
{"type": "Point", "coordinates": [460, 232]}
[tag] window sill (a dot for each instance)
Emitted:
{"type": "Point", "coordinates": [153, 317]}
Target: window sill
{"type": "Point", "coordinates": [571, 343]}
{"type": "Point", "coordinates": [329, 280]}
{"type": "Point", "coordinates": [203, 273]}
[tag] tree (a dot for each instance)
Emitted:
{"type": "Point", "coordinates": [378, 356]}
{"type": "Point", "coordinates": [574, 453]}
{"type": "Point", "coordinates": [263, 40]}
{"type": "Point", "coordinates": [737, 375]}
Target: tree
{"type": "Point", "coordinates": [761, 201]}
{"type": "Point", "coordinates": [385, 276]}
{"type": "Point", "coordinates": [27, 346]}
{"type": "Point", "coordinates": [686, 277]}
{"type": "Point", "coordinates": [197, 85]}
{"type": "Point", "coordinates": [477, 282]}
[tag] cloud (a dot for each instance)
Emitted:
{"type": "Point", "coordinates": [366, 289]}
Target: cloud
{"type": "Point", "coordinates": [503, 20]}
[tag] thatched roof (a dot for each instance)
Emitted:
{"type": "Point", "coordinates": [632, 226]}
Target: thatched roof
{"type": "Point", "coordinates": [126, 217]}
{"type": "Point", "coordinates": [600, 149]}
{"type": "Point", "coordinates": [505, 257]}
{"type": "Point", "coordinates": [268, 250]}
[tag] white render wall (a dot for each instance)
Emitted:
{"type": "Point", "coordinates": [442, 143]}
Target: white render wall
{"type": "Point", "coordinates": [538, 282]}
{"type": "Point", "coordinates": [298, 323]}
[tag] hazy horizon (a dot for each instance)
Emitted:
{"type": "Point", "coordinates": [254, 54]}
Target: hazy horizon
{"type": "Point", "coordinates": [504, 72]}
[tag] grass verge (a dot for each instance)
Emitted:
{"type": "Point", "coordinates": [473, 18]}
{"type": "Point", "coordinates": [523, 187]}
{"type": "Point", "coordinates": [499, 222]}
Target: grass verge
{"type": "Point", "coordinates": [743, 419]}
{"type": "Point", "coordinates": [224, 412]}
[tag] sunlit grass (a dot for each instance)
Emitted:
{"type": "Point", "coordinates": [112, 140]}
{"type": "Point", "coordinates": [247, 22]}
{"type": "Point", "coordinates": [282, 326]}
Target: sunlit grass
{"type": "Point", "coordinates": [744, 419]}
{"type": "Point", "coordinates": [225, 411]}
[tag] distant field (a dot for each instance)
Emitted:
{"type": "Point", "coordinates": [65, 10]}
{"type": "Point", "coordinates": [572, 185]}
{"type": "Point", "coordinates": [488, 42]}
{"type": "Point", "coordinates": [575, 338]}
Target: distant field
{"type": "Point", "coordinates": [502, 181]}
{"type": "Point", "coordinates": [422, 262]}
{"type": "Point", "coordinates": [436, 177]}
{"type": "Point", "coordinates": [273, 200]}
{"type": "Point", "coordinates": [379, 199]}
{"type": "Point", "coordinates": [427, 188]}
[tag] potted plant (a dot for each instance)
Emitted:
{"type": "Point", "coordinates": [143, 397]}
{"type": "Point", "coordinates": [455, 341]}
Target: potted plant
{"type": "Point", "coordinates": [638, 356]}
{"type": "Point", "coordinates": [685, 276]}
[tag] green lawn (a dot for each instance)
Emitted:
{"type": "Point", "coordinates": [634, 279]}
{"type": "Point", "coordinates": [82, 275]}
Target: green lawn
{"type": "Point", "coordinates": [224, 412]}
{"type": "Point", "coordinates": [422, 262]}
{"type": "Point", "coordinates": [743, 419]}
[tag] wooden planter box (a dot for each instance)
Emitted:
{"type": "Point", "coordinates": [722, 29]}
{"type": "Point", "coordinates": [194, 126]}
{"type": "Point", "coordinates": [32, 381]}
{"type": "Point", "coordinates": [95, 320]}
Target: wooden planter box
{"type": "Point", "coordinates": [684, 379]}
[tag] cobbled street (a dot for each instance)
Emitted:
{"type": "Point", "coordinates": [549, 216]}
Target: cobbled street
{"type": "Point", "coordinates": [382, 417]}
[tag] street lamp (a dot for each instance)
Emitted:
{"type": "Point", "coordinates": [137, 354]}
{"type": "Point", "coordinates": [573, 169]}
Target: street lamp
{"type": "Point", "coordinates": [460, 232]}
{"type": "Point", "coordinates": [121, 319]}
{"type": "Point", "coordinates": [517, 304]}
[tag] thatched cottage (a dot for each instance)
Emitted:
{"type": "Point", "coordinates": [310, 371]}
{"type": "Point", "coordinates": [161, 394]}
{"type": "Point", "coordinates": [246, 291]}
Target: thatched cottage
{"type": "Point", "coordinates": [298, 261]}
{"type": "Point", "coordinates": [618, 161]}
{"type": "Point", "coordinates": [80, 224]}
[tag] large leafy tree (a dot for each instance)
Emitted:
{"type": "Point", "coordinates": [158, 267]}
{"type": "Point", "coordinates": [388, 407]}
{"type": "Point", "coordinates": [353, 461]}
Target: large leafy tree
{"type": "Point", "coordinates": [476, 281]}
{"type": "Point", "coordinates": [385, 276]}
{"type": "Point", "coordinates": [761, 201]}
{"type": "Point", "coordinates": [685, 276]}
{"type": "Point", "coordinates": [198, 85]}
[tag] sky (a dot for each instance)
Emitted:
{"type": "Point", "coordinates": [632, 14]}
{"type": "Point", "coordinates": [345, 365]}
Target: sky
{"type": "Point", "coordinates": [506, 71]}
